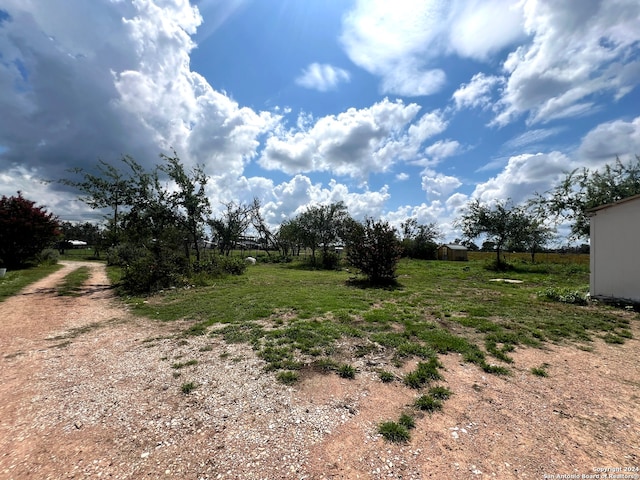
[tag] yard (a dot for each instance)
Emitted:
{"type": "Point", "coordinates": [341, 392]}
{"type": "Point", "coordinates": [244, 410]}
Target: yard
{"type": "Point", "coordinates": [290, 373]}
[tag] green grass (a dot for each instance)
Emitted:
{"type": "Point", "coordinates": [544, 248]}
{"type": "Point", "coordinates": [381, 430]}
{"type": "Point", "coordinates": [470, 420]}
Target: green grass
{"type": "Point", "coordinates": [72, 282]}
{"type": "Point", "coordinates": [394, 432]}
{"type": "Point", "coordinates": [16, 280]}
{"type": "Point", "coordinates": [294, 317]}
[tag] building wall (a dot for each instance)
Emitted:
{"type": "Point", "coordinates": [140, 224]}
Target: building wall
{"type": "Point", "coordinates": [615, 257]}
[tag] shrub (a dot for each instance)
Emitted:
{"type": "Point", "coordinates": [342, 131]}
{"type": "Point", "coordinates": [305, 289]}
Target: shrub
{"type": "Point", "coordinates": [394, 432]}
{"type": "Point", "coordinates": [428, 403]}
{"type": "Point", "coordinates": [374, 249]}
{"type": "Point", "coordinates": [48, 256]}
{"type": "Point", "coordinates": [386, 377]}
{"type": "Point", "coordinates": [407, 421]}
{"type": "Point", "coordinates": [565, 295]}
{"type": "Point", "coordinates": [346, 371]}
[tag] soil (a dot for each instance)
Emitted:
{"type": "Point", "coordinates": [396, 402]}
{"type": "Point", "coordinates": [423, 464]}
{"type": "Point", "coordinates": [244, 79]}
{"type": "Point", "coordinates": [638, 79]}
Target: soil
{"type": "Point", "coordinates": [88, 390]}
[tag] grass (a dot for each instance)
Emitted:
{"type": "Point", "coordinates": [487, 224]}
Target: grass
{"type": "Point", "coordinates": [295, 318]}
{"type": "Point", "coordinates": [394, 432]}
{"type": "Point", "coordinates": [188, 387]}
{"type": "Point", "coordinates": [16, 280]}
{"type": "Point", "coordinates": [72, 282]}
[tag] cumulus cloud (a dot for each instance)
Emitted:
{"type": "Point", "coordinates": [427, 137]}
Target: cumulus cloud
{"type": "Point", "coordinates": [354, 143]}
{"type": "Point", "coordinates": [117, 82]}
{"type": "Point", "coordinates": [608, 140]}
{"type": "Point", "coordinates": [322, 77]}
{"type": "Point", "coordinates": [438, 184]}
{"type": "Point", "coordinates": [578, 49]}
{"type": "Point", "coordinates": [399, 41]}
{"type": "Point", "coordinates": [476, 93]}
{"type": "Point", "coordinates": [524, 175]}
{"type": "Point", "coordinates": [290, 198]}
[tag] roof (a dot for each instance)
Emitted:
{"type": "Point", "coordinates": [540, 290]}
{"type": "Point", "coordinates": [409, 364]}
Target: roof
{"type": "Point", "coordinates": [454, 246]}
{"type": "Point", "coordinates": [613, 204]}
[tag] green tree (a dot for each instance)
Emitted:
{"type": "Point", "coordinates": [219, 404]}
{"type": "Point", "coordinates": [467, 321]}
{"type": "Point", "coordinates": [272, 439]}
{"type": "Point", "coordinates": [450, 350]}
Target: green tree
{"type": "Point", "coordinates": [110, 187]}
{"type": "Point", "coordinates": [419, 240]}
{"type": "Point", "coordinates": [25, 230]}
{"type": "Point", "coordinates": [232, 225]}
{"type": "Point", "coordinates": [584, 189]}
{"type": "Point", "coordinates": [322, 226]}
{"type": "Point", "coordinates": [501, 223]}
{"type": "Point", "coordinates": [189, 200]}
{"type": "Point", "coordinates": [374, 248]}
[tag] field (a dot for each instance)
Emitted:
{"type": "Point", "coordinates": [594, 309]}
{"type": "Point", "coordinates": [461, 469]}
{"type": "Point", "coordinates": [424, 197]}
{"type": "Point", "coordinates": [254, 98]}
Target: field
{"type": "Point", "coordinates": [296, 318]}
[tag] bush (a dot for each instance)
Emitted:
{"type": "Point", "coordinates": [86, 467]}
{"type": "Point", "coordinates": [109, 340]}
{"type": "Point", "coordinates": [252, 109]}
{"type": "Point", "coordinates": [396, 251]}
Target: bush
{"type": "Point", "coordinates": [565, 295]}
{"type": "Point", "coordinates": [330, 261]}
{"type": "Point", "coordinates": [394, 432]}
{"type": "Point", "coordinates": [148, 273]}
{"type": "Point", "coordinates": [48, 256]}
{"type": "Point", "coordinates": [374, 249]}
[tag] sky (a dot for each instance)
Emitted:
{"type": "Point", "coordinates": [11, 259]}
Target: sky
{"type": "Point", "coordinates": [402, 109]}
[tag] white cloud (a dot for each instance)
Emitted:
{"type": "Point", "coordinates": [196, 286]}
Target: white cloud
{"type": "Point", "coordinates": [608, 140]}
{"type": "Point", "coordinates": [480, 28]}
{"type": "Point", "coordinates": [578, 49]}
{"type": "Point", "coordinates": [116, 82]}
{"type": "Point", "coordinates": [477, 93]}
{"type": "Point", "coordinates": [532, 137]}
{"type": "Point", "coordinates": [354, 143]}
{"type": "Point", "coordinates": [443, 149]}
{"type": "Point", "coordinates": [438, 184]}
{"type": "Point", "coordinates": [523, 176]}
{"type": "Point", "coordinates": [399, 41]}
{"type": "Point", "coordinates": [322, 77]}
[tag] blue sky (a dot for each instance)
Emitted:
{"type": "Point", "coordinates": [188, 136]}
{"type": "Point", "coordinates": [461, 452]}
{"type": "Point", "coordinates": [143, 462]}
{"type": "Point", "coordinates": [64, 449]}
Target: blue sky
{"type": "Point", "coordinates": [403, 109]}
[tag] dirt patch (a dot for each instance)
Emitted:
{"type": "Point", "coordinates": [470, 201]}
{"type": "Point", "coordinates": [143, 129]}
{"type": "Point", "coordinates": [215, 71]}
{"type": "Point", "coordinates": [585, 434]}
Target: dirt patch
{"type": "Point", "coordinates": [88, 390]}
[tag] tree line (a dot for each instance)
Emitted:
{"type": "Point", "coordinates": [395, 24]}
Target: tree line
{"type": "Point", "coordinates": [157, 222]}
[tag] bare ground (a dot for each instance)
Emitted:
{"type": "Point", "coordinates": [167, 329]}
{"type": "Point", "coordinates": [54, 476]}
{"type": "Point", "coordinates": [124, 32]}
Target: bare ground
{"type": "Point", "coordinates": [88, 390]}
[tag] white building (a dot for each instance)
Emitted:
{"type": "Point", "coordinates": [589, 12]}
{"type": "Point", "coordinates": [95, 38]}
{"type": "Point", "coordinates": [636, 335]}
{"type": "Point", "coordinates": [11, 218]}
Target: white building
{"type": "Point", "coordinates": [615, 257]}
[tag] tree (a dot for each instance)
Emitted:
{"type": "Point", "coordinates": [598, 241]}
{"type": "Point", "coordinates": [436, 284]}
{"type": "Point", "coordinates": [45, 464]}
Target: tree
{"type": "Point", "coordinates": [373, 247]}
{"type": "Point", "coordinates": [25, 230]}
{"type": "Point", "coordinates": [501, 224]}
{"type": "Point", "coordinates": [189, 200]}
{"type": "Point", "coordinates": [110, 188]}
{"type": "Point", "coordinates": [228, 229]}
{"type": "Point", "coordinates": [322, 226]}
{"type": "Point", "coordinates": [533, 236]}
{"type": "Point", "coordinates": [419, 240]}
{"type": "Point", "coordinates": [584, 189]}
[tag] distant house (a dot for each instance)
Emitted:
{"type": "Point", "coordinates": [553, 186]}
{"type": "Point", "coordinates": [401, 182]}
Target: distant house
{"type": "Point", "coordinates": [452, 251]}
{"type": "Point", "coordinates": [615, 260]}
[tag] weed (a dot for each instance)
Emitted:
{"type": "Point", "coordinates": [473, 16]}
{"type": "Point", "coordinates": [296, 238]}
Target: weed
{"type": "Point", "coordinates": [347, 371]}
{"type": "Point", "coordinates": [288, 377]}
{"type": "Point", "coordinates": [540, 371]}
{"type": "Point", "coordinates": [394, 432]}
{"type": "Point", "coordinates": [188, 387]}
{"type": "Point", "coordinates": [179, 365]}
{"type": "Point", "coordinates": [206, 348]}
{"type": "Point", "coordinates": [424, 373]}
{"type": "Point", "coordinates": [386, 377]}
{"type": "Point", "coordinates": [407, 421]}
{"type": "Point", "coordinates": [440, 393]}
{"type": "Point", "coordinates": [428, 403]}
{"type": "Point", "coordinates": [73, 282]}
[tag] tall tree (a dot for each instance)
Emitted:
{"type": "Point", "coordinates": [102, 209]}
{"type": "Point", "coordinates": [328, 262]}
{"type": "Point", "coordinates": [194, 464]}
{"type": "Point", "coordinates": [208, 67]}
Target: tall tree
{"type": "Point", "coordinates": [322, 226]}
{"type": "Point", "coordinates": [189, 199]}
{"type": "Point", "coordinates": [110, 187]}
{"type": "Point", "coordinates": [501, 223]}
{"type": "Point", "coordinates": [584, 189]}
{"type": "Point", "coordinates": [419, 240]}
{"type": "Point", "coordinates": [25, 230]}
{"type": "Point", "coordinates": [228, 228]}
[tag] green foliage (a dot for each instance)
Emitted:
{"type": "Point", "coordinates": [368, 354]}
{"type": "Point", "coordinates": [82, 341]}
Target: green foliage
{"type": "Point", "coordinates": [347, 371]}
{"type": "Point", "coordinates": [540, 371]}
{"type": "Point", "coordinates": [394, 432]}
{"type": "Point", "coordinates": [386, 377]}
{"type": "Point", "coordinates": [321, 227]}
{"type": "Point", "coordinates": [288, 377]}
{"type": "Point", "coordinates": [565, 295]}
{"type": "Point", "coordinates": [419, 241]}
{"type": "Point", "coordinates": [428, 403]}
{"type": "Point", "coordinates": [407, 421]}
{"type": "Point", "coordinates": [25, 230]}
{"type": "Point", "coordinates": [188, 387]}
{"type": "Point", "coordinates": [504, 225]}
{"type": "Point", "coordinates": [373, 248]}
{"type": "Point", "coordinates": [424, 373]}
{"type": "Point", "coordinates": [48, 256]}
{"type": "Point", "coordinates": [440, 393]}
{"type": "Point", "coordinates": [584, 189]}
